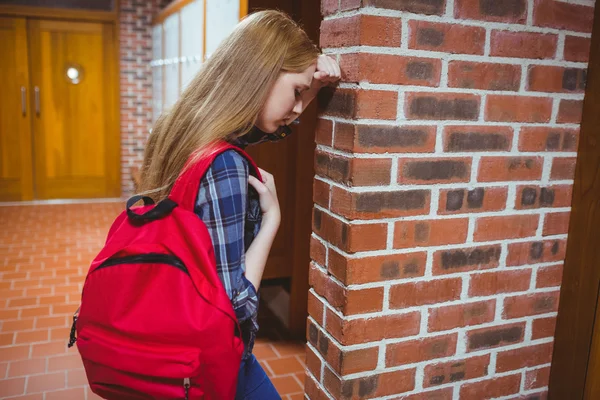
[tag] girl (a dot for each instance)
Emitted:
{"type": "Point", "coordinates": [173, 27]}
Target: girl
{"type": "Point", "coordinates": [260, 79]}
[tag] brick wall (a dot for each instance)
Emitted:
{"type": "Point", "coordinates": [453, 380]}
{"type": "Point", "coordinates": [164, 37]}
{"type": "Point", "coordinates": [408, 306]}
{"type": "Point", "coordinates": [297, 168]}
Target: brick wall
{"type": "Point", "coordinates": [135, 41]}
{"type": "Point", "coordinates": [444, 167]}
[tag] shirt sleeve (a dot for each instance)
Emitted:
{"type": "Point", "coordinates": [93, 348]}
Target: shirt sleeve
{"type": "Point", "coordinates": [221, 205]}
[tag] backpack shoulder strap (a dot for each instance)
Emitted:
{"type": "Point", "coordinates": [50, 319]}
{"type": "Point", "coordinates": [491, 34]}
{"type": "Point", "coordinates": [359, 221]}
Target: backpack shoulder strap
{"type": "Point", "coordinates": [186, 187]}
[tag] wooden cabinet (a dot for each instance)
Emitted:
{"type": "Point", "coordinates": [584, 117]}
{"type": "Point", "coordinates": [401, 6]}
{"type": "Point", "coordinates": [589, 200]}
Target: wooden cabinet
{"type": "Point", "coordinates": [59, 131]}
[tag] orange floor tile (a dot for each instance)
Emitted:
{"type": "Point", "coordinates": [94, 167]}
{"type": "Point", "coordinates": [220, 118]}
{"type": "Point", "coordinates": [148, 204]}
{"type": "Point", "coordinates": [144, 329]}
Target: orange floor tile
{"type": "Point", "coordinates": [45, 251]}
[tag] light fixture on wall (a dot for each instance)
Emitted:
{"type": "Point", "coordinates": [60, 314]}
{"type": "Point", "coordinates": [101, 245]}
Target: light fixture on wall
{"type": "Point", "coordinates": [74, 73]}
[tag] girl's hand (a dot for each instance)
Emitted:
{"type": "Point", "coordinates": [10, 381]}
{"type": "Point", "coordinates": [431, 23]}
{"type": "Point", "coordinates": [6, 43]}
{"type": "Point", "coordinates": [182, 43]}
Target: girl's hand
{"type": "Point", "coordinates": [328, 71]}
{"type": "Point", "coordinates": [269, 204]}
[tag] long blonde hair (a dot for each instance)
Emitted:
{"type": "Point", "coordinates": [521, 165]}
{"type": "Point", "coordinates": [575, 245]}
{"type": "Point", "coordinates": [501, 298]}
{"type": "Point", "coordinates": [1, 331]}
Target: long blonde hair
{"type": "Point", "coordinates": [226, 95]}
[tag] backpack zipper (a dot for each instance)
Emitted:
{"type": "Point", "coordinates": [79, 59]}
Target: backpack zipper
{"type": "Point", "coordinates": [186, 387]}
{"type": "Point", "coordinates": [150, 258]}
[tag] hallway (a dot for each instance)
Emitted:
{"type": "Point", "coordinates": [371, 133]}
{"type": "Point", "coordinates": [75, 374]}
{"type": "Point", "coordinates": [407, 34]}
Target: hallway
{"type": "Point", "coordinates": [45, 251]}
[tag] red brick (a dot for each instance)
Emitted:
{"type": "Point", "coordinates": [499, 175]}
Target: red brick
{"type": "Point", "coordinates": [514, 11]}
{"type": "Point", "coordinates": [550, 276]}
{"type": "Point", "coordinates": [535, 139]}
{"type": "Point", "coordinates": [556, 223]}
{"type": "Point", "coordinates": [442, 106]}
{"type": "Point", "coordinates": [458, 316]}
{"type": "Point", "coordinates": [456, 370]}
{"type": "Point", "coordinates": [448, 38]}
{"type": "Point", "coordinates": [537, 378]}
{"type": "Point", "coordinates": [552, 79]}
{"type": "Point", "coordinates": [321, 193]}
{"type": "Point", "coordinates": [383, 384]}
{"type": "Point", "coordinates": [313, 362]}
{"type": "Point", "coordinates": [391, 69]}
{"type": "Point", "coordinates": [315, 308]}
{"type": "Point", "coordinates": [477, 138]}
{"type": "Point", "coordinates": [499, 169]}
{"type": "Point", "coordinates": [12, 387]}
{"type": "Point", "coordinates": [518, 109]}
{"type": "Point", "coordinates": [47, 382]}
{"type": "Point", "coordinates": [561, 15]}
{"type": "Point", "coordinates": [376, 104]}
{"type": "Point", "coordinates": [349, 237]}
{"type": "Point", "coordinates": [535, 252]}
{"type": "Point", "coordinates": [380, 204]}
{"type": "Point", "coordinates": [76, 393]}
{"type": "Point", "coordinates": [467, 259]}
{"type": "Point", "coordinates": [26, 367]}
{"type": "Point", "coordinates": [413, 6]}
{"type": "Point", "coordinates": [353, 171]}
{"type": "Point", "coordinates": [563, 168]}
{"type": "Point", "coordinates": [364, 330]}
{"type": "Point", "coordinates": [486, 76]}
{"type": "Point", "coordinates": [318, 252]}
{"type": "Point", "coordinates": [577, 48]}
{"type": "Point", "coordinates": [435, 170]}
{"type": "Point", "coordinates": [413, 351]}
{"type": "Point", "coordinates": [529, 196]}
{"type": "Point", "coordinates": [314, 389]}
{"type": "Point", "coordinates": [347, 301]}
{"type": "Point", "coordinates": [326, 287]}
{"type": "Point", "coordinates": [415, 294]}
{"type": "Point", "coordinates": [491, 283]}
{"type": "Point", "coordinates": [376, 269]}
{"type": "Point", "coordinates": [570, 111]}
{"type": "Point", "coordinates": [495, 387]}
{"type": "Point", "coordinates": [458, 201]}
{"type": "Point", "coordinates": [543, 328]}
{"type": "Point", "coordinates": [533, 304]}
{"type": "Point", "coordinates": [379, 31]}
{"type": "Point", "coordinates": [39, 335]}
{"type": "Point", "coordinates": [495, 336]}
{"type": "Point", "coordinates": [440, 394]}
{"type": "Point", "coordinates": [338, 102]}
{"type": "Point", "coordinates": [342, 361]}
{"type": "Point", "coordinates": [329, 7]}
{"type": "Point", "coordinates": [505, 227]}
{"type": "Point", "coordinates": [14, 353]}
{"type": "Point", "coordinates": [324, 132]}
{"type": "Point", "coordinates": [529, 356]}
{"type": "Point", "coordinates": [523, 44]}
{"type": "Point", "coordinates": [384, 138]}
{"type": "Point", "coordinates": [408, 234]}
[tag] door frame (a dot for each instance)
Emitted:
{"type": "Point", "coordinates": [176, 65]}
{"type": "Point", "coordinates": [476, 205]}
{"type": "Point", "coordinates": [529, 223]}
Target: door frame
{"type": "Point", "coordinates": [576, 357]}
{"type": "Point", "coordinates": [111, 21]}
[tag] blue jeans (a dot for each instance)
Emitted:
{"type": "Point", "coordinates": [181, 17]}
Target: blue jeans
{"type": "Point", "coordinates": [253, 383]}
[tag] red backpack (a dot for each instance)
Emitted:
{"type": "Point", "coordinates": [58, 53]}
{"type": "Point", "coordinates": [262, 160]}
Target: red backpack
{"type": "Point", "coordinates": [155, 321]}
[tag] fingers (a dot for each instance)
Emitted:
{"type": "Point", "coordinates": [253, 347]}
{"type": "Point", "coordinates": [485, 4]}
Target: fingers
{"type": "Point", "coordinates": [258, 185]}
{"type": "Point", "coordinates": [327, 69]}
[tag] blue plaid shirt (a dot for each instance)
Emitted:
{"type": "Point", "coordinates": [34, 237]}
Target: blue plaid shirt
{"type": "Point", "coordinates": [231, 211]}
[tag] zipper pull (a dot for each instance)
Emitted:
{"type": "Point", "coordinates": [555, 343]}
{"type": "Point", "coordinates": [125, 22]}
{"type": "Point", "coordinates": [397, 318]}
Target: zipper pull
{"type": "Point", "coordinates": [186, 387]}
{"type": "Point", "coordinates": [72, 338]}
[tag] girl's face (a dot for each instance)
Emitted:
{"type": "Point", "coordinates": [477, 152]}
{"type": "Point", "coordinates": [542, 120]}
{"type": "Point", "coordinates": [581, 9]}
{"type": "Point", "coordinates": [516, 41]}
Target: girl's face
{"type": "Point", "coordinates": [284, 102]}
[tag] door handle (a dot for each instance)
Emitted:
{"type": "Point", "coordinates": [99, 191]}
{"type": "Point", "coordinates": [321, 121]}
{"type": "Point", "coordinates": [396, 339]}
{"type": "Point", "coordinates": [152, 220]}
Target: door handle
{"type": "Point", "coordinates": [23, 100]}
{"type": "Point", "coordinates": [37, 101]}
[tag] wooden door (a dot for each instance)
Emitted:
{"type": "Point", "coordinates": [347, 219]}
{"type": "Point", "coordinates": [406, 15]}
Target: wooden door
{"type": "Point", "coordinates": [575, 371]}
{"type": "Point", "coordinates": [76, 134]}
{"type": "Point", "coordinates": [15, 132]}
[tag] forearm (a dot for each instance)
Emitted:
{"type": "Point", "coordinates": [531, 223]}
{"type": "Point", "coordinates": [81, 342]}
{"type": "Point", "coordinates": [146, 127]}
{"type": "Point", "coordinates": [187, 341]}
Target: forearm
{"type": "Point", "coordinates": [258, 253]}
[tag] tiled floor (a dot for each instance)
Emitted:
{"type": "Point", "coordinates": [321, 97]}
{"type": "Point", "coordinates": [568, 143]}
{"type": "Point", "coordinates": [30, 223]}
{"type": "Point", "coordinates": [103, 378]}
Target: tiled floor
{"type": "Point", "coordinates": [45, 251]}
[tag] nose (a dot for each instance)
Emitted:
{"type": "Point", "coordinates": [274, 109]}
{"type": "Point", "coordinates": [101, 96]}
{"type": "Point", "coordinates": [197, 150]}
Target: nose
{"type": "Point", "coordinates": [297, 107]}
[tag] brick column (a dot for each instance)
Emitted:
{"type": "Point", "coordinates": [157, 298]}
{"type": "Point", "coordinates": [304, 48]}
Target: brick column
{"type": "Point", "coordinates": [135, 51]}
{"type": "Point", "coordinates": [445, 164]}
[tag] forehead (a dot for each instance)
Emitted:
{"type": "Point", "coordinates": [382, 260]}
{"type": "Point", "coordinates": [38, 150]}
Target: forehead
{"type": "Point", "coordinates": [304, 77]}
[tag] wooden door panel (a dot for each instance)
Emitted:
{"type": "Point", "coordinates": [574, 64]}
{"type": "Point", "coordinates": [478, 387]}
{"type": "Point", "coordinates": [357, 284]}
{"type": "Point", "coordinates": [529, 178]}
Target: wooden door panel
{"type": "Point", "coordinates": [15, 133]}
{"type": "Point", "coordinates": [72, 136]}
